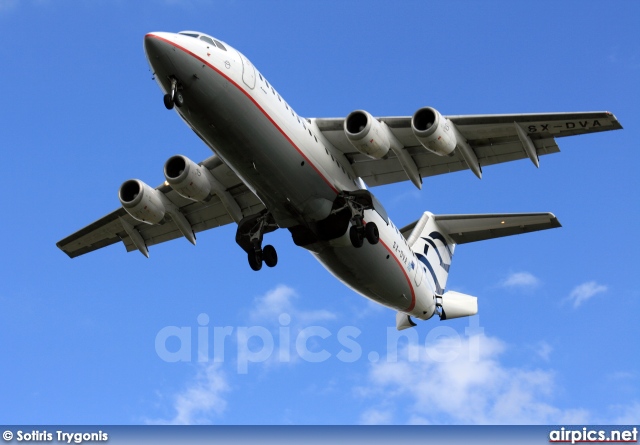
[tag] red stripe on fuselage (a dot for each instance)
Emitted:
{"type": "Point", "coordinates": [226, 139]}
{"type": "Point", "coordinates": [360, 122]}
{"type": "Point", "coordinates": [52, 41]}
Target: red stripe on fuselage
{"type": "Point", "coordinates": [413, 295]}
{"type": "Point", "coordinates": [254, 102]}
{"type": "Point", "coordinates": [185, 50]}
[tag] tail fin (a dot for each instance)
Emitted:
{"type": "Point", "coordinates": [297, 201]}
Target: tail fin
{"type": "Point", "coordinates": [433, 238]}
{"type": "Point", "coordinates": [433, 248]}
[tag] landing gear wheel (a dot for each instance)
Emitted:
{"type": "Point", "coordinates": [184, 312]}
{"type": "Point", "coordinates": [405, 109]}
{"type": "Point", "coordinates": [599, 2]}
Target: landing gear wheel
{"type": "Point", "coordinates": [371, 233]}
{"type": "Point", "coordinates": [255, 260]}
{"type": "Point", "coordinates": [168, 103]}
{"type": "Point", "coordinates": [270, 255]}
{"type": "Point", "coordinates": [178, 99]}
{"type": "Point", "coordinates": [356, 237]}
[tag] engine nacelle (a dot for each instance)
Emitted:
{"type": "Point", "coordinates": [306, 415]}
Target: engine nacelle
{"type": "Point", "coordinates": [187, 178]}
{"type": "Point", "coordinates": [367, 134]}
{"type": "Point", "coordinates": [433, 131]}
{"type": "Point", "coordinates": [456, 305]}
{"type": "Point", "coordinates": [142, 202]}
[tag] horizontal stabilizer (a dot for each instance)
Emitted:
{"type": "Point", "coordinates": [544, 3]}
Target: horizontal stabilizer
{"type": "Point", "coordinates": [470, 228]}
{"type": "Point", "coordinates": [463, 229]}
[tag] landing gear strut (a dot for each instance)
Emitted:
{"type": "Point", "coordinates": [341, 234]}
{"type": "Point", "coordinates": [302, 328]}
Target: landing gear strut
{"type": "Point", "coordinates": [249, 236]}
{"type": "Point", "coordinates": [174, 96]}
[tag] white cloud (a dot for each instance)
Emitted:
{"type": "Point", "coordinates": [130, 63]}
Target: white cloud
{"type": "Point", "coordinates": [585, 291]}
{"type": "Point", "coordinates": [544, 350]}
{"type": "Point", "coordinates": [627, 415]}
{"type": "Point", "coordinates": [622, 375]}
{"type": "Point", "coordinates": [278, 301]}
{"type": "Point", "coordinates": [201, 400]}
{"type": "Point", "coordinates": [468, 385]}
{"type": "Point", "coordinates": [376, 417]}
{"type": "Point", "coordinates": [522, 280]}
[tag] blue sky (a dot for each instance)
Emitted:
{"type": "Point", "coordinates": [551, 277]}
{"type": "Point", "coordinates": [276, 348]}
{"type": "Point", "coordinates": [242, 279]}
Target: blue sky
{"type": "Point", "coordinates": [555, 338]}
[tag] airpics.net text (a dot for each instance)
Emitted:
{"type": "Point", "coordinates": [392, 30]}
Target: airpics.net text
{"type": "Point", "coordinates": [286, 343]}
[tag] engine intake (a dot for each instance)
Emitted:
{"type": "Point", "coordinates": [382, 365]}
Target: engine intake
{"type": "Point", "coordinates": [367, 134]}
{"type": "Point", "coordinates": [187, 178]}
{"type": "Point", "coordinates": [142, 202]}
{"type": "Point", "coordinates": [433, 131]}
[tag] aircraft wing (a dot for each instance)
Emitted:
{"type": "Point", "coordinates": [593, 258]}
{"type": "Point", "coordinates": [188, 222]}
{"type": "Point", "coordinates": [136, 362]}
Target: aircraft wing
{"type": "Point", "coordinates": [494, 138]}
{"type": "Point", "coordinates": [117, 225]}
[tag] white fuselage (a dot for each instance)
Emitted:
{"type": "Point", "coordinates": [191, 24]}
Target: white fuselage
{"type": "Point", "coordinates": [285, 160]}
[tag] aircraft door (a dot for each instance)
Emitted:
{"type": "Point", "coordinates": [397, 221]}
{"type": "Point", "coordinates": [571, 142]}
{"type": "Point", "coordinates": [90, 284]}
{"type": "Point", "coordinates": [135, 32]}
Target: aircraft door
{"type": "Point", "coordinates": [248, 72]}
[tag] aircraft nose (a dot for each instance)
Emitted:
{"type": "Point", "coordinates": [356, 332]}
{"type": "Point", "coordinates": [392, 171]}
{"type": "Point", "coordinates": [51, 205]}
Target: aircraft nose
{"type": "Point", "coordinates": [158, 48]}
{"type": "Point", "coordinates": [155, 43]}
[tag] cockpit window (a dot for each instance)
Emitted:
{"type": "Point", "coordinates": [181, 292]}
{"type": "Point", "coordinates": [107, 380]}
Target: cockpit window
{"type": "Point", "coordinates": [208, 40]}
{"type": "Point", "coordinates": [220, 45]}
{"type": "Point", "coordinates": [195, 36]}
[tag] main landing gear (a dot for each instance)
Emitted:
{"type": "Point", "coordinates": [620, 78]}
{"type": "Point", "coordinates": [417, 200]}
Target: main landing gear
{"type": "Point", "coordinates": [358, 202]}
{"type": "Point", "coordinates": [174, 96]}
{"type": "Point", "coordinates": [267, 254]}
{"type": "Point", "coordinates": [359, 231]}
{"type": "Point", "coordinates": [249, 236]}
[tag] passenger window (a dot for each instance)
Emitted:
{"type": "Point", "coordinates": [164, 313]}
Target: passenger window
{"type": "Point", "coordinates": [260, 76]}
{"type": "Point", "coordinates": [273, 91]}
{"type": "Point", "coordinates": [208, 40]}
{"type": "Point", "coordinates": [310, 133]}
{"type": "Point", "coordinates": [220, 45]}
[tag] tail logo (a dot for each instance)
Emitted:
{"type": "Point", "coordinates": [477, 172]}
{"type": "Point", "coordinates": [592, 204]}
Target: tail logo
{"type": "Point", "coordinates": [422, 257]}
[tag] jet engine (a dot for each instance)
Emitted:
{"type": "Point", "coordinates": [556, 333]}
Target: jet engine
{"type": "Point", "coordinates": [433, 131]}
{"type": "Point", "coordinates": [142, 202]}
{"type": "Point", "coordinates": [187, 178]}
{"type": "Point", "coordinates": [367, 134]}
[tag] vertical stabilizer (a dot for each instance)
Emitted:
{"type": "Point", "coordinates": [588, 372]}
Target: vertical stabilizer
{"type": "Point", "coordinates": [434, 249]}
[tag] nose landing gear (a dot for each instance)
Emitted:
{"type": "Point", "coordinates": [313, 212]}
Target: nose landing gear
{"type": "Point", "coordinates": [174, 96]}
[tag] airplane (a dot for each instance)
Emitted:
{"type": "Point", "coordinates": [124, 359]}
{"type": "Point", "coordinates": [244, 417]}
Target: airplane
{"type": "Point", "coordinates": [273, 169]}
